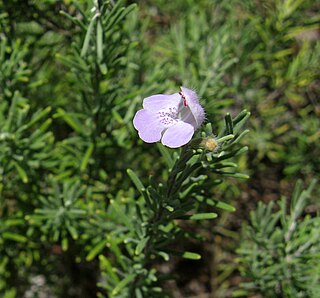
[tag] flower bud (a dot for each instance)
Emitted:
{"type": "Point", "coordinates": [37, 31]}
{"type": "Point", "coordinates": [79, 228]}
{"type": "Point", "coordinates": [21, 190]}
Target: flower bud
{"type": "Point", "coordinates": [209, 143]}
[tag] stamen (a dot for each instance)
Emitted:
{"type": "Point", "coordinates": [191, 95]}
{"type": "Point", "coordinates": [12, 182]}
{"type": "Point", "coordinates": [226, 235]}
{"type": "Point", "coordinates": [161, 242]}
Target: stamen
{"type": "Point", "coordinates": [184, 99]}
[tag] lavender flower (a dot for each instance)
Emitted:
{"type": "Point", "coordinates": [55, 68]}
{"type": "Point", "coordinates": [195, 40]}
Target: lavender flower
{"type": "Point", "coordinates": [173, 119]}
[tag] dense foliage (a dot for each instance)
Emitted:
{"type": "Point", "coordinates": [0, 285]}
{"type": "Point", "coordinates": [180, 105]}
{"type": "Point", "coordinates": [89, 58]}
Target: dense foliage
{"type": "Point", "coordinates": [87, 209]}
{"type": "Point", "coordinates": [280, 250]}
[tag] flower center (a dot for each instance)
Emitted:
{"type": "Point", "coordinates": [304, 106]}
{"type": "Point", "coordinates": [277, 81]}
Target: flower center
{"type": "Point", "coordinates": [168, 116]}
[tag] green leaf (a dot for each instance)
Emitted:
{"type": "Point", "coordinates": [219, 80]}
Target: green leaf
{"type": "Point", "coordinates": [240, 293]}
{"type": "Point", "coordinates": [203, 216]}
{"type": "Point", "coordinates": [122, 284]}
{"type": "Point", "coordinates": [106, 265]}
{"type": "Point", "coordinates": [164, 255]}
{"type": "Point", "coordinates": [121, 215]}
{"type": "Point", "coordinates": [103, 68]}
{"type": "Point", "coordinates": [64, 244]}
{"type": "Point", "coordinates": [118, 14]}
{"type": "Point", "coordinates": [99, 41]}
{"type": "Point", "coordinates": [225, 206]}
{"type": "Point", "coordinates": [166, 155]}
{"type": "Point", "coordinates": [73, 232]}
{"type": "Point", "coordinates": [22, 173]}
{"type": "Point", "coordinates": [225, 138]}
{"type": "Point", "coordinates": [229, 124]}
{"type": "Point", "coordinates": [136, 181]}
{"type": "Point", "coordinates": [71, 62]}
{"type": "Point", "coordinates": [225, 155]}
{"type": "Point", "coordinates": [184, 193]}
{"type": "Point", "coordinates": [240, 123]}
{"type": "Point", "coordinates": [141, 245]}
{"type": "Point", "coordinates": [241, 135]}
{"type": "Point", "coordinates": [70, 119]}
{"type": "Point", "coordinates": [88, 36]}
{"type": "Point", "coordinates": [218, 204]}
{"type": "Point", "coordinates": [44, 126]}
{"type": "Point", "coordinates": [191, 255]}
{"type": "Point", "coordinates": [75, 20]}
{"type": "Point", "coordinates": [86, 158]}
{"type": "Point", "coordinates": [243, 114]}
{"type": "Point", "coordinates": [235, 175]}
{"type": "Point", "coordinates": [14, 221]}
{"type": "Point", "coordinates": [96, 250]}
{"type": "Point", "coordinates": [14, 237]}
{"type": "Point", "coordinates": [138, 293]}
{"type": "Point", "coordinates": [12, 111]}
{"type": "Point", "coordinates": [114, 247]}
{"type": "Point", "coordinates": [35, 118]}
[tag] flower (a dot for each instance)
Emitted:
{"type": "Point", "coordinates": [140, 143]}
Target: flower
{"type": "Point", "coordinates": [173, 119]}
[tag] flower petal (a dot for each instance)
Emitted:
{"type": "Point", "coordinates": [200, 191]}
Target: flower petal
{"type": "Point", "coordinates": [161, 101]}
{"type": "Point", "coordinates": [192, 102]}
{"type": "Point", "coordinates": [178, 135]}
{"type": "Point", "coordinates": [148, 126]}
{"type": "Point", "coordinates": [187, 116]}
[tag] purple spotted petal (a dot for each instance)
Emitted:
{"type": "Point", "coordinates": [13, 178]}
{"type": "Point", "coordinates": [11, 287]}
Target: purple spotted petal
{"type": "Point", "coordinates": [178, 135]}
{"type": "Point", "coordinates": [161, 101]}
{"type": "Point", "coordinates": [192, 102]}
{"type": "Point", "coordinates": [148, 126]}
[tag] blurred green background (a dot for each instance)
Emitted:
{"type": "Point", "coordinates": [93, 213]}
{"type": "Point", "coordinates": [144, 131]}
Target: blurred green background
{"type": "Point", "coordinates": [66, 129]}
